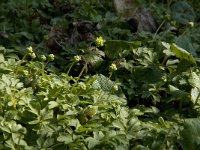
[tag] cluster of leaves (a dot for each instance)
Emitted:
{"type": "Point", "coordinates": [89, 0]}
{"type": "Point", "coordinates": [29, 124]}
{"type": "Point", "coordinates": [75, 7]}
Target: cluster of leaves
{"type": "Point", "coordinates": [129, 91]}
{"type": "Point", "coordinates": [40, 110]}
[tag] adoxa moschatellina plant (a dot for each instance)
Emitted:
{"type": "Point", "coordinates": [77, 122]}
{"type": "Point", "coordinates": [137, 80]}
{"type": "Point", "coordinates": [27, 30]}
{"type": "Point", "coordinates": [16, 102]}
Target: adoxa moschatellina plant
{"type": "Point", "coordinates": [29, 52]}
{"type": "Point", "coordinates": [76, 59]}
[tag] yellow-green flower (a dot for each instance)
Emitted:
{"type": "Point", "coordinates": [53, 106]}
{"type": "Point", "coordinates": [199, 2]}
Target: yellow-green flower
{"type": "Point", "coordinates": [43, 58]}
{"type": "Point", "coordinates": [30, 49]}
{"type": "Point", "coordinates": [33, 56]}
{"type": "Point", "coordinates": [51, 57]}
{"type": "Point", "coordinates": [190, 24]}
{"type": "Point", "coordinates": [76, 58]}
{"type": "Point", "coordinates": [99, 42]}
{"type": "Point", "coordinates": [115, 88]}
{"type": "Point", "coordinates": [112, 68]}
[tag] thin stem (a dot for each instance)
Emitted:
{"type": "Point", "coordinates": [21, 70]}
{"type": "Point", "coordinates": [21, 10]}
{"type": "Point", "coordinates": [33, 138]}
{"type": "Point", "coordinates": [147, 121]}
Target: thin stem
{"type": "Point", "coordinates": [164, 60]}
{"type": "Point", "coordinates": [110, 75]}
{"type": "Point", "coordinates": [79, 76]}
{"type": "Point", "coordinates": [20, 62]}
{"type": "Point", "coordinates": [43, 67]}
{"type": "Point", "coordinates": [162, 23]}
{"type": "Point", "coordinates": [70, 67]}
{"type": "Point", "coordinates": [84, 67]}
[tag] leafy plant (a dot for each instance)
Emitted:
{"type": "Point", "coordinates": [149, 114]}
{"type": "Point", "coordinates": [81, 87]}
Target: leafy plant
{"type": "Point", "coordinates": [120, 91]}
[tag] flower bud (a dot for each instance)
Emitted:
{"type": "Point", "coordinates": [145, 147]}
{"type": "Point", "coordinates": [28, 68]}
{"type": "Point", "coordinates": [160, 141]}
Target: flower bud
{"type": "Point", "coordinates": [112, 68]}
{"type": "Point", "coordinates": [82, 86]}
{"type": "Point", "coordinates": [190, 24]}
{"type": "Point", "coordinates": [30, 49]}
{"type": "Point", "coordinates": [43, 58]}
{"type": "Point", "coordinates": [76, 58]}
{"type": "Point", "coordinates": [51, 57]}
{"type": "Point", "coordinates": [25, 72]}
{"type": "Point", "coordinates": [33, 56]}
{"type": "Point", "coordinates": [114, 88]}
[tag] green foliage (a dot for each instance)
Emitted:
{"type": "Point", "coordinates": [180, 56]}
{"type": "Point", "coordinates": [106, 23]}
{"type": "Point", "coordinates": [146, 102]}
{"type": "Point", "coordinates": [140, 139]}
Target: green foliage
{"type": "Point", "coordinates": [122, 91]}
{"type": "Point", "coordinates": [191, 134]}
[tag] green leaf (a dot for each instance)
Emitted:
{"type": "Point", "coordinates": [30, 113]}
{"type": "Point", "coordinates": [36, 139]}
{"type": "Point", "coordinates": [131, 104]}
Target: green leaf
{"type": "Point", "coordinates": [194, 95]}
{"type": "Point", "coordinates": [114, 47]}
{"type": "Point", "coordinates": [103, 83]}
{"type": "Point", "coordinates": [18, 139]}
{"type": "Point", "coordinates": [52, 104]}
{"type": "Point", "coordinates": [186, 43]}
{"type": "Point", "coordinates": [177, 92]}
{"type": "Point", "coordinates": [92, 142]}
{"type": "Point", "coordinates": [35, 108]}
{"type": "Point", "coordinates": [2, 57]}
{"type": "Point", "coordinates": [191, 134]}
{"type": "Point", "coordinates": [182, 53]}
{"type": "Point", "coordinates": [64, 137]}
{"type": "Point", "coordinates": [183, 12]}
{"type": "Point", "coordinates": [194, 80]}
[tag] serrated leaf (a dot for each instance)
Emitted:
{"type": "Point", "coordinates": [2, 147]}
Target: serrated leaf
{"type": "Point", "coordinates": [103, 83]}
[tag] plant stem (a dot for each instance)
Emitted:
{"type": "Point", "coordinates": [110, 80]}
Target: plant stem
{"type": "Point", "coordinates": [110, 75]}
{"type": "Point", "coordinates": [79, 76]}
{"type": "Point", "coordinates": [43, 67]}
{"type": "Point", "coordinates": [70, 67]}
{"type": "Point", "coordinates": [162, 23]}
{"type": "Point", "coordinates": [20, 62]}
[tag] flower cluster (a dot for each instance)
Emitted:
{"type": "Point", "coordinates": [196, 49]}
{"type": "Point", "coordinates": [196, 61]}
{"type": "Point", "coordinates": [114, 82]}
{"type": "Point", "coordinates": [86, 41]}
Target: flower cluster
{"type": "Point", "coordinates": [100, 42]}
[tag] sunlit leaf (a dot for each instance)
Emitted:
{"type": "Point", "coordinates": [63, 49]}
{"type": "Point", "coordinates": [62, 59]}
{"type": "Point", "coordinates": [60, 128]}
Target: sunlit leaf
{"type": "Point", "coordinates": [182, 53]}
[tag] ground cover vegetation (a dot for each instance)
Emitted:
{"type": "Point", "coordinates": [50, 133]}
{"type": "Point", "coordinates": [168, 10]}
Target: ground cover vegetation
{"type": "Point", "coordinates": [74, 75]}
